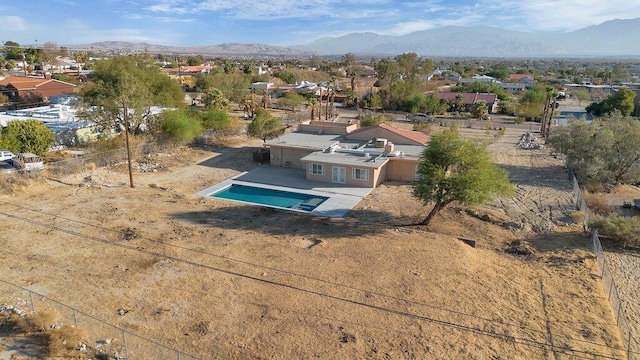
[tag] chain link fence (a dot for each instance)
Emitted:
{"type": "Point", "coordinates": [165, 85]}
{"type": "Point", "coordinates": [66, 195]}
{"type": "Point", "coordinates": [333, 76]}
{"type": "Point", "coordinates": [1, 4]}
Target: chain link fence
{"type": "Point", "coordinates": [631, 343]}
{"type": "Point", "coordinates": [106, 340]}
{"type": "Point", "coordinates": [580, 203]}
{"type": "Point", "coordinates": [80, 163]}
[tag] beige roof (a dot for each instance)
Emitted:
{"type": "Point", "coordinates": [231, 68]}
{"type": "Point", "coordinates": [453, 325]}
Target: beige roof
{"type": "Point", "coordinates": [374, 161]}
{"type": "Point", "coordinates": [412, 136]}
{"type": "Point", "coordinates": [20, 82]}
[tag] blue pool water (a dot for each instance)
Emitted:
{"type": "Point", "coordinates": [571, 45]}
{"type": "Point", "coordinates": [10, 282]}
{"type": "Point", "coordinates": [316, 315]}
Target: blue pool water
{"type": "Point", "coordinates": [270, 197]}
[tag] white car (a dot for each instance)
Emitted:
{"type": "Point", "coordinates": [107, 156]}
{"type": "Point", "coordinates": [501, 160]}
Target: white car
{"type": "Point", "coordinates": [28, 162]}
{"type": "Point", "coordinates": [6, 155]}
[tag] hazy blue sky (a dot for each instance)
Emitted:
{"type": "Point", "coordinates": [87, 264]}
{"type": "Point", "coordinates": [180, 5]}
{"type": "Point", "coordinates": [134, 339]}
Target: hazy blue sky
{"type": "Point", "coordinates": [283, 22]}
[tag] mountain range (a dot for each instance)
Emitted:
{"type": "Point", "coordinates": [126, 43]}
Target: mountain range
{"type": "Point", "coordinates": [614, 38]}
{"type": "Point", "coordinates": [611, 38]}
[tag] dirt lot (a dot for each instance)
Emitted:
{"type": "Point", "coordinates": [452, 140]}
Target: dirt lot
{"type": "Point", "coordinates": [220, 280]}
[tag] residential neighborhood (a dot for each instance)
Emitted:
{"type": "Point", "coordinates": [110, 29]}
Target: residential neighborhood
{"type": "Point", "coordinates": [250, 201]}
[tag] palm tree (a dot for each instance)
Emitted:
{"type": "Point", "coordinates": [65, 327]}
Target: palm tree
{"type": "Point", "coordinates": [311, 103]}
{"type": "Point", "coordinates": [250, 105]}
{"type": "Point", "coordinates": [214, 99]}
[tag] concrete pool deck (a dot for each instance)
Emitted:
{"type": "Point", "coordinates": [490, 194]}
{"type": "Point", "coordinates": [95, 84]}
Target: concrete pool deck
{"type": "Point", "coordinates": [341, 197]}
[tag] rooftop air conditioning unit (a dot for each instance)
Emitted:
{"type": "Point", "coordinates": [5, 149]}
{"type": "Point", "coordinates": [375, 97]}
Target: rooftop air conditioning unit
{"type": "Point", "coordinates": [380, 143]}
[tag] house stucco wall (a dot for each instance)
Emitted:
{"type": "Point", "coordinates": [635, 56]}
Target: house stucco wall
{"type": "Point", "coordinates": [288, 157]}
{"type": "Point", "coordinates": [401, 170]}
{"type": "Point", "coordinates": [322, 127]}
{"type": "Point", "coordinates": [374, 175]}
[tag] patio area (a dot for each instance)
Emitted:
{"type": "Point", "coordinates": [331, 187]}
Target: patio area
{"type": "Point", "coordinates": [341, 197]}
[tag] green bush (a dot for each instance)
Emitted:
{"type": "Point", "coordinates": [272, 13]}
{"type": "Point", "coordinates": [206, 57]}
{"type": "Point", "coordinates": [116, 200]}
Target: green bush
{"type": "Point", "coordinates": [374, 119]}
{"type": "Point", "coordinates": [179, 126]}
{"type": "Point", "coordinates": [27, 136]}
{"type": "Point", "coordinates": [215, 119]}
{"type": "Point", "coordinates": [620, 228]}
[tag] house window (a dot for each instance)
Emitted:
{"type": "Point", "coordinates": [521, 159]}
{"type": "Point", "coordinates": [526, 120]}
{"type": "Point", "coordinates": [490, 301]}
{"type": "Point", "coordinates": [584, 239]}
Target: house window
{"type": "Point", "coordinates": [316, 169]}
{"type": "Point", "coordinates": [361, 174]}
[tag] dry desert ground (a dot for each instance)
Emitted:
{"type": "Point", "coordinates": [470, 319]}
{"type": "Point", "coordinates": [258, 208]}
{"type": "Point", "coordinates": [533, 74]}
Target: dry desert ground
{"type": "Point", "coordinates": [220, 280]}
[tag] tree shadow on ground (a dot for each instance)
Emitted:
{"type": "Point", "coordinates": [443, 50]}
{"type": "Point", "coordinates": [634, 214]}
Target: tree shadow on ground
{"type": "Point", "coordinates": [560, 241]}
{"type": "Point", "coordinates": [555, 177]}
{"type": "Point", "coordinates": [281, 222]}
{"type": "Point", "coordinates": [234, 158]}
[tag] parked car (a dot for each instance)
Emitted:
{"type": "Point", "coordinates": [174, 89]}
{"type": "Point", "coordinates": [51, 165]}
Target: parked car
{"type": "Point", "coordinates": [420, 118]}
{"type": "Point", "coordinates": [6, 167]}
{"type": "Point", "coordinates": [6, 155]}
{"type": "Point", "coordinates": [28, 161]}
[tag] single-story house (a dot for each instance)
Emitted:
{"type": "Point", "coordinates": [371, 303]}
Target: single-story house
{"type": "Point", "coordinates": [478, 78]}
{"type": "Point", "coordinates": [341, 153]}
{"type": "Point", "coordinates": [469, 99]}
{"type": "Point", "coordinates": [20, 86]}
{"type": "Point", "coordinates": [514, 87]}
{"type": "Point", "coordinates": [186, 70]}
{"type": "Point", "coordinates": [523, 78]}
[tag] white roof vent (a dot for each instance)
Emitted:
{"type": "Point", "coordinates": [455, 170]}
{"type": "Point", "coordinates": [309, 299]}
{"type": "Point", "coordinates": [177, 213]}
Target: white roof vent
{"type": "Point", "coordinates": [380, 143]}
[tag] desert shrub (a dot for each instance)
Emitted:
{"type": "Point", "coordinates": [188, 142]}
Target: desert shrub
{"type": "Point", "coordinates": [374, 119]}
{"type": "Point", "coordinates": [235, 127]}
{"type": "Point", "coordinates": [42, 320]}
{"type": "Point", "coordinates": [65, 338]}
{"type": "Point", "coordinates": [13, 321]}
{"type": "Point", "coordinates": [619, 228]}
{"type": "Point", "coordinates": [215, 119]}
{"type": "Point", "coordinates": [423, 127]}
{"type": "Point", "coordinates": [106, 144]}
{"type": "Point", "coordinates": [577, 216]}
{"type": "Point", "coordinates": [10, 182]}
{"type": "Point", "coordinates": [180, 127]}
{"type": "Point", "coordinates": [520, 120]}
{"type": "Point", "coordinates": [27, 136]}
{"type": "Point", "coordinates": [598, 204]}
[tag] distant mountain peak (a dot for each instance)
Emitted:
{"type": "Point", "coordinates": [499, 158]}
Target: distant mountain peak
{"type": "Point", "coordinates": [616, 37]}
{"type": "Point", "coordinates": [452, 40]}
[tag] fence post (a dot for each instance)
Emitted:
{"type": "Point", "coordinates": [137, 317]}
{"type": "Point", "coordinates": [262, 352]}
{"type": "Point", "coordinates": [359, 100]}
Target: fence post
{"type": "Point", "coordinates": [75, 317]}
{"type": "Point", "coordinates": [619, 310]}
{"type": "Point", "coordinates": [178, 352]}
{"type": "Point", "coordinates": [610, 290]}
{"type": "Point", "coordinates": [33, 305]}
{"type": "Point", "coordinates": [629, 345]}
{"type": "Point", "coordinates": [124, 340]}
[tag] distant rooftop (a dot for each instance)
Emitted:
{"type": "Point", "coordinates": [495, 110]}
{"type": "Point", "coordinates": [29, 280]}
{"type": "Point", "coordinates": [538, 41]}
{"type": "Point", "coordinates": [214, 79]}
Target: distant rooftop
{"type": "Point", "coordinates": [306, 140]}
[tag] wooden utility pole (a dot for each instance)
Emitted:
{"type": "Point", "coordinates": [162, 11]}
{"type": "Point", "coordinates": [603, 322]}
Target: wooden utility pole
{"type": "Point", "coordinates": [553, 108]}
{"type": "Point", "coordinates": [126, 138]}
{"type": "Point", "coordinates": [545, 114]}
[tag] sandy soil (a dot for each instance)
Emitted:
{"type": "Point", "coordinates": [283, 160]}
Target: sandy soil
{"type": "Point", "coordinates": [219, 280]}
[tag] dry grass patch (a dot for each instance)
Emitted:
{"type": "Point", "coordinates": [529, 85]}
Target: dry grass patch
{"type": "Point", "coordinates": [65, 339]}
{"type": "Point", "coordinates": [41, 320]}
{"type": "Point", "coordinates": [10, 183]}
{"type": "Point", "coordinates": [598, 204]}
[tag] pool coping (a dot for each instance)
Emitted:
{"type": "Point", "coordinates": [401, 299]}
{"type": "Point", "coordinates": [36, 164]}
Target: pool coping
{"type": "Point", "coordinates": [336, 205]}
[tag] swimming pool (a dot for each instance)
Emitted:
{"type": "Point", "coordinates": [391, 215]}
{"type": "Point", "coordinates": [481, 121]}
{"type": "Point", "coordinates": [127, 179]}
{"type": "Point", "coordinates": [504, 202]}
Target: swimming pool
{"type": "Point", "coordinates": [270, 197]}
